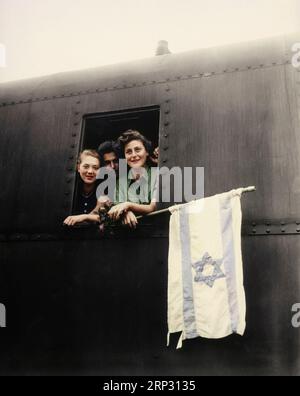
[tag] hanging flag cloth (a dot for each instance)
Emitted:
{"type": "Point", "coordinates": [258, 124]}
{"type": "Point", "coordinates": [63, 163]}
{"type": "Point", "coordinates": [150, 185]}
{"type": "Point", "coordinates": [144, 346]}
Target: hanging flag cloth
{"type": "Point", "coordinates": [205, 281]}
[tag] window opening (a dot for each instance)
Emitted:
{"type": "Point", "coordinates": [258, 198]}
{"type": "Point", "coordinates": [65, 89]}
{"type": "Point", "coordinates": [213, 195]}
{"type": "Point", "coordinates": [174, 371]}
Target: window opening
{"type": "Point", "coordinates": [98, 128]}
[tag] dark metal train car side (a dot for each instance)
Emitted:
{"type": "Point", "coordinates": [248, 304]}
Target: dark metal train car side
{"type": "Point", "coordinates": [80, 304]}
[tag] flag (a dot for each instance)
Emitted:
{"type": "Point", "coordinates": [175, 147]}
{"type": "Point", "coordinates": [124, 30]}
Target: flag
{"type": "Point", "coordinates": [205, 272]}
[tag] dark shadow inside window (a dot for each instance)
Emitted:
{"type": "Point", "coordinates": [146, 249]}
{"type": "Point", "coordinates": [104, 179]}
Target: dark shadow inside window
{"type": "Point", "coordinates": [108, 126]}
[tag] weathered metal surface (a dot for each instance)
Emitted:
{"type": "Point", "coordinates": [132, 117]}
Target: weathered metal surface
{"type": "Point", "coordinates": [243, 130]}
{"type": "Point", "coordinates": [92, 308]}
{"type": "Point", "coordinates": [202, 63]}
{"type": "Point", "coordinates": [233, 110]}
{"type": "Point", "coordinates": [39, 189]}
{"type": "Point", "coordinates": [234, 124]}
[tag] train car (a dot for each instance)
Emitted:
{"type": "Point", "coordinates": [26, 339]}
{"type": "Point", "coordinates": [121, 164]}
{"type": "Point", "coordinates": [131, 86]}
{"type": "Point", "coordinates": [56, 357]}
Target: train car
{"type": "Point", "coordinates": [78, 302]}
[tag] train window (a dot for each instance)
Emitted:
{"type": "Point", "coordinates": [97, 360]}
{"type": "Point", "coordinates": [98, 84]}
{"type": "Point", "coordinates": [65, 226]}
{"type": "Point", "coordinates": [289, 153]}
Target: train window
{"type": "Point", "coordinates": [99, 128]}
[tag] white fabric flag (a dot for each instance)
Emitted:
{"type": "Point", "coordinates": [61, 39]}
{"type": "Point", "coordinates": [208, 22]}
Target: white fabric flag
{"type": "Point", "coordinates": [205, 282]}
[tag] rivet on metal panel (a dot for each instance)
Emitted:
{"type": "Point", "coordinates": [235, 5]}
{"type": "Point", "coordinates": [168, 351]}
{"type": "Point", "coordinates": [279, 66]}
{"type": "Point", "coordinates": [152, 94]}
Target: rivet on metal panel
{"type": "Point", "coordinates": [168, 89]}
{"type": "Point", "coordinates": [167, 111]}
{"type": "Point", "coordinates": [166, 135]}
{"type": "Point", "coordinates": [72, 146]}
{"type": "Point", "coordinates": [67, 193]}
{"type": "Point", "coordinates": [298, 229]}
{"type": "Point", "coordinates": [282, 223]}
{"type": "Point", "coordinates": [268, 231]}
{"type": "Point", "coordinates": [75, 123]}
{"type": "Point", "coordinates": [254, 231]}
{"type": "Point", "coordinates": [68, 181]}
{"type": "Point", "coordinates": [78, 102]}
{"type": "Point", "coordinates": [254, 224]}
{"type": "Point", "coordinates": [283, 230]}
{"type": "Point", "coordinates": [268, 223]}
{"type": "Point", "coordinates": [298, 222]}
{"type": "Point", "coordinates": [167, 123]}
{"type": "Point", "coordinates": [74, 134]}
{"type": "Point", "coordinates": [71, 157]}
{"type": "Point", "coordinates": [166, 148]}
{"type": "Point", "coordinates": [165, 160]}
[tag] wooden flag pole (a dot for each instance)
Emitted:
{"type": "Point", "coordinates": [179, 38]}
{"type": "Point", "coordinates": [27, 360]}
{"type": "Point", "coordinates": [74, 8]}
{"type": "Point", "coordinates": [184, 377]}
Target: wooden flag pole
{"type": "Point", "coordinates": [244, 190]}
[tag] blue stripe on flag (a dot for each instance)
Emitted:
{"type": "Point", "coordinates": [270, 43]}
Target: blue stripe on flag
{"type": "Point", "coordinates": [187, 278]}
{"type": "Point", "coordinates": [229, 260]}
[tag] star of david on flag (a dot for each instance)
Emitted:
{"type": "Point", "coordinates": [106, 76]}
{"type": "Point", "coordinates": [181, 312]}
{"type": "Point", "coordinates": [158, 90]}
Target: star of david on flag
{"type": "Point", "coordinates": [214, 265]}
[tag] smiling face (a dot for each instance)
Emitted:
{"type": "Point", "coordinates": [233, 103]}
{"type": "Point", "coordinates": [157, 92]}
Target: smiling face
{"type": "Point", "coordinates": [88, 169]}
{"type": "Point", "coordinates": [136, 154]}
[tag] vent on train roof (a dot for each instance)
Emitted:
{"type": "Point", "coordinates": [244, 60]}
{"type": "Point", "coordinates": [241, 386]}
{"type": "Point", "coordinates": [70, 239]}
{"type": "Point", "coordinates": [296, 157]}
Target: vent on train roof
{"type": "Point", "coordinates": [162, 48]}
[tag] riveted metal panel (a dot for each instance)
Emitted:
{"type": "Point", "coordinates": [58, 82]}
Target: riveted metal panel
{"type": "Point", "coordinates": [89, 308]}
{"type": "Point", "coordinates": [161, 69]}
{"type": "Point", "coordinates": [234, 111]}
{"type": "Point", "coordinates": [242, 128]}
{"type": "Point", "coordinates": [40, 143]}
{"type": "Point", "coordinates": [40, 188]}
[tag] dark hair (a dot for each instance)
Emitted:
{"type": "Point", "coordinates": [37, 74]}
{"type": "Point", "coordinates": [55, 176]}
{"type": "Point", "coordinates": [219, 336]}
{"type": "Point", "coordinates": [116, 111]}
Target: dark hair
{"type": "Point", "coordinates": [131, 135]}
{"type": "Point", "coordinates": [107, 147]}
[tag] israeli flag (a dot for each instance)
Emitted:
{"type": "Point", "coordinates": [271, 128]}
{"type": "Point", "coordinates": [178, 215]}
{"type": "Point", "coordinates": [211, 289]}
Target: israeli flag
{"type": "Point", "coordinates": [205, 282]}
